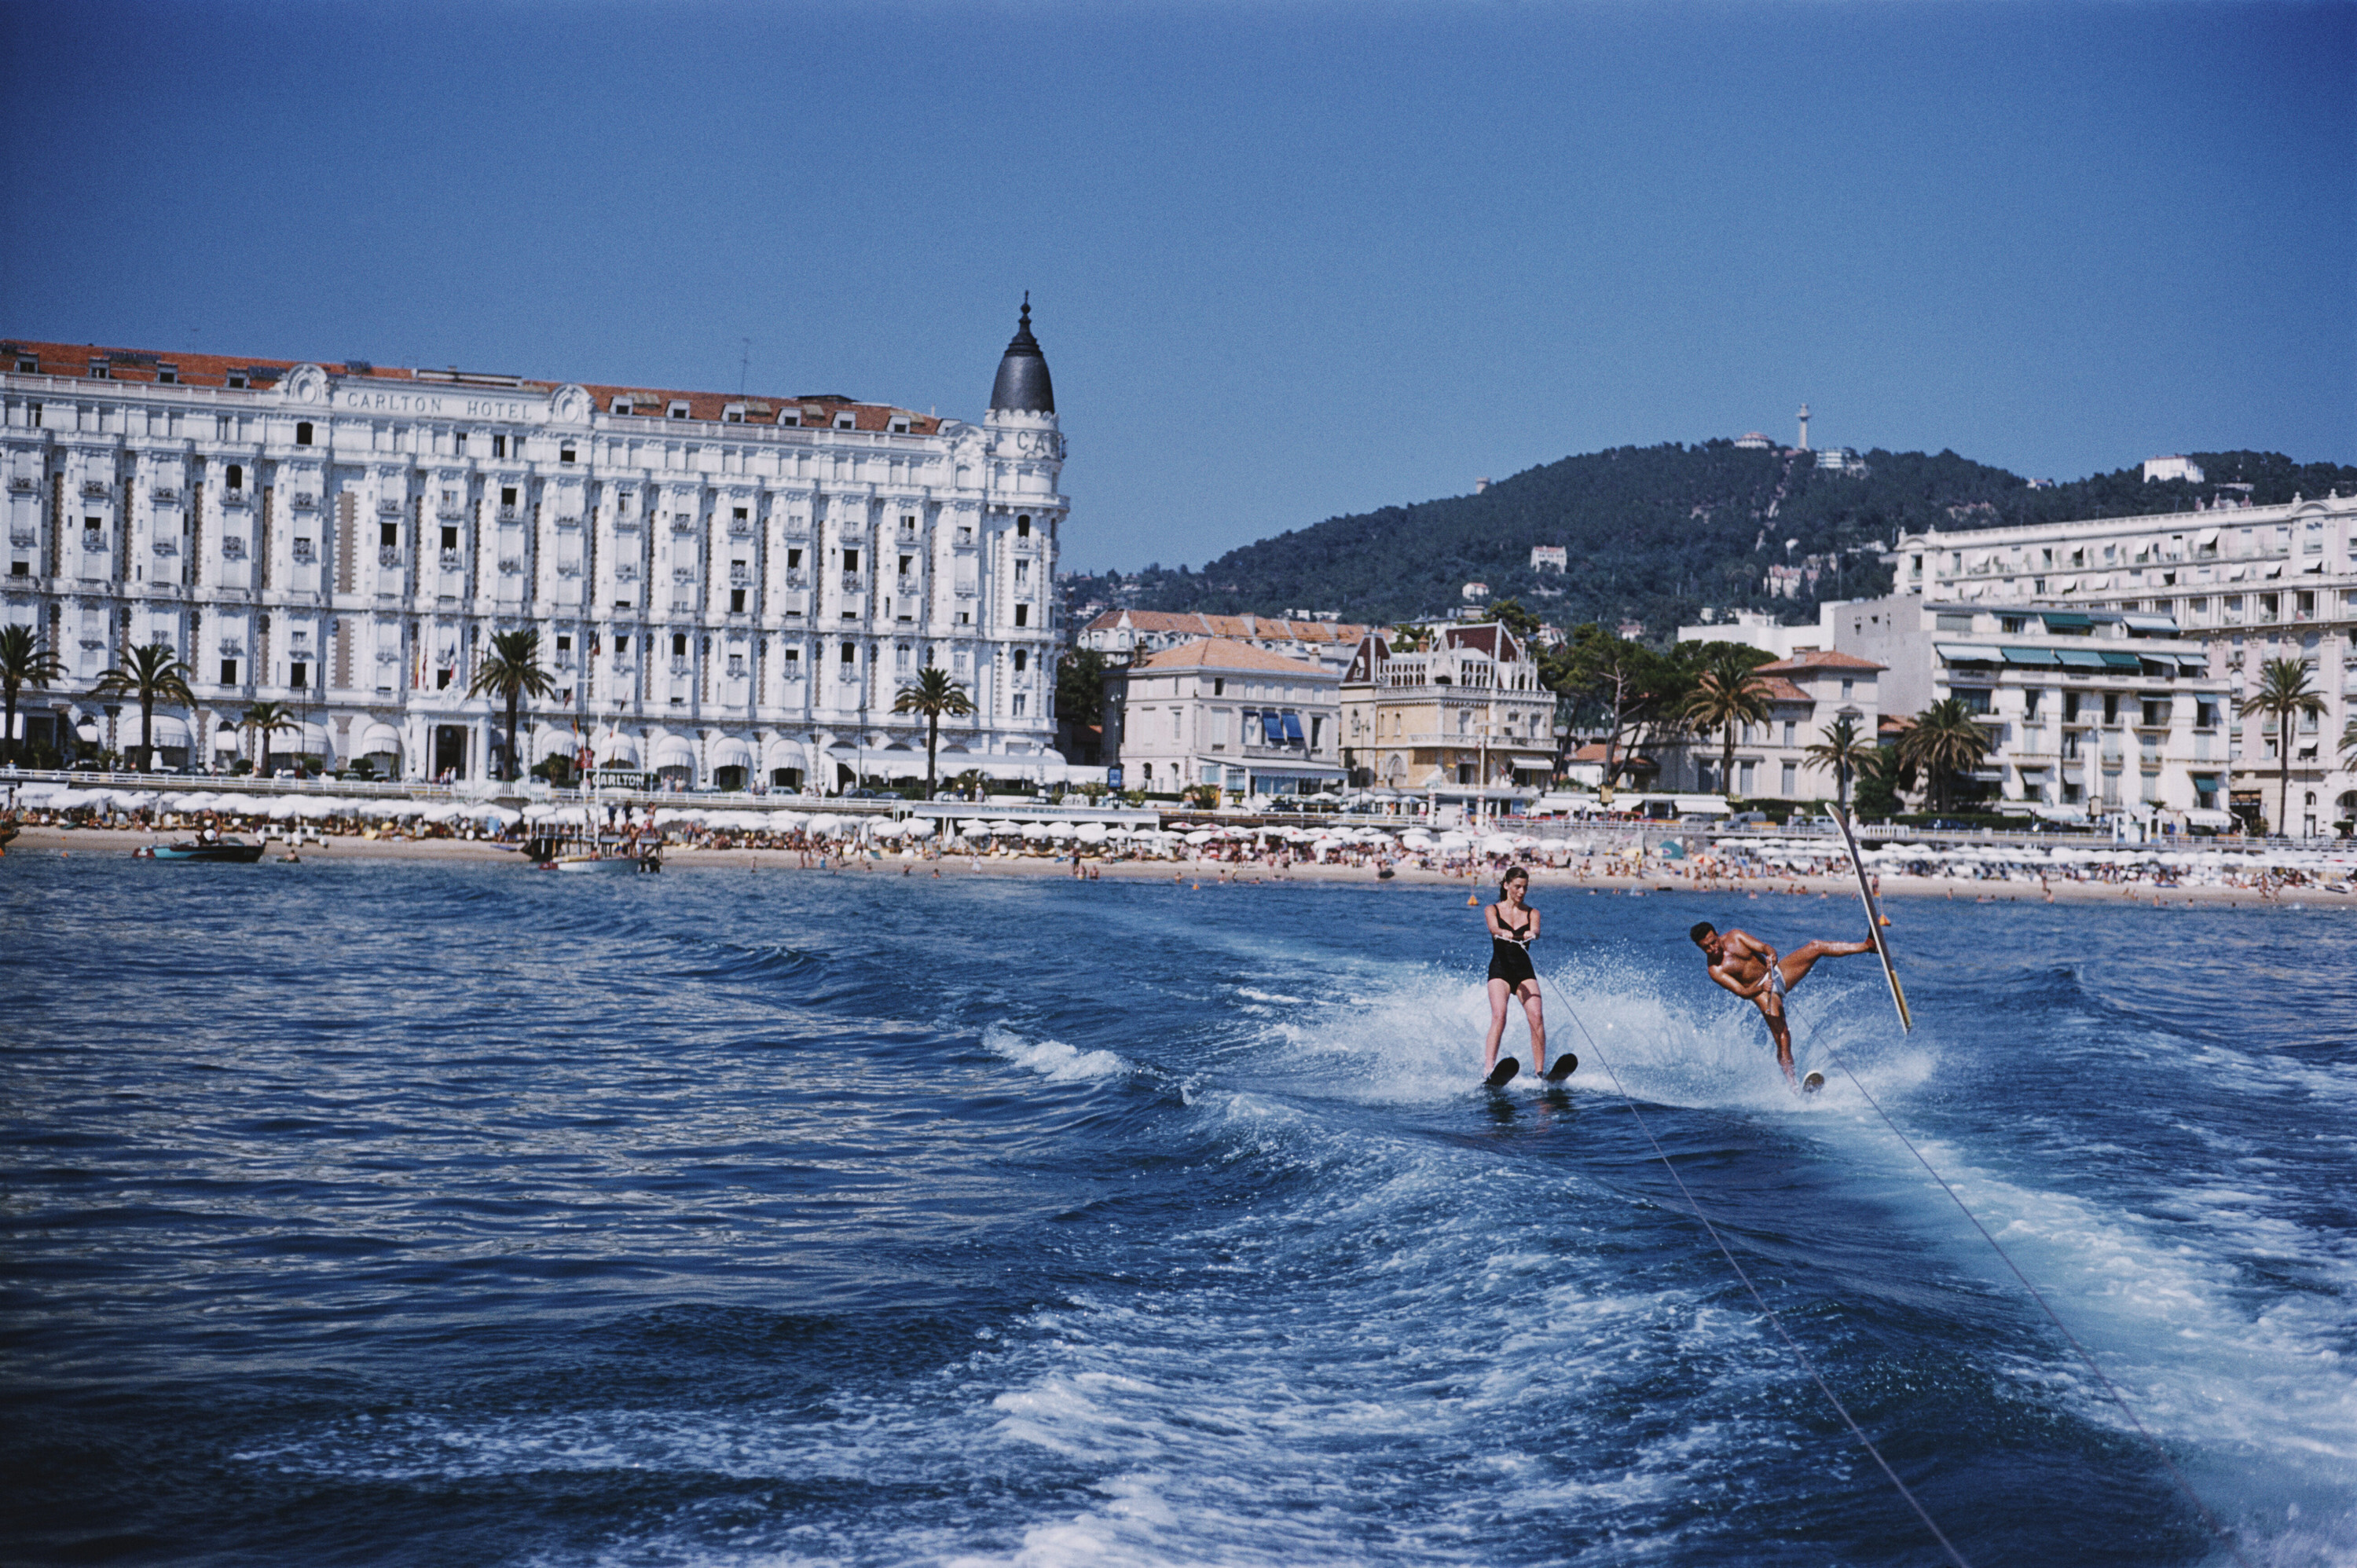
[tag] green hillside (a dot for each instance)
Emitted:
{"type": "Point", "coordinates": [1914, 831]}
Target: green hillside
{"type": "Point", "coordinates": [1654, 534]}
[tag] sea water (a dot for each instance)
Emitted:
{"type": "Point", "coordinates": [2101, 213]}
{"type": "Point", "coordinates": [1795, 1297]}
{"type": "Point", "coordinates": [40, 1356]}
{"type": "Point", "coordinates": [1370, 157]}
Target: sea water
{"type": "Point", "coordinates": [403, 1213]}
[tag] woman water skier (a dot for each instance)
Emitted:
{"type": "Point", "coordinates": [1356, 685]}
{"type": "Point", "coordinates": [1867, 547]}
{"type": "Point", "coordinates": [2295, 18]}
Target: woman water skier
{"type": "Point", "coordinates": [1513, 926]}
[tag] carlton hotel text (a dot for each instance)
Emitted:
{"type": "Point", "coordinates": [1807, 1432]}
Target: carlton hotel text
{"type": "Point", "coordinates": [731, 589]}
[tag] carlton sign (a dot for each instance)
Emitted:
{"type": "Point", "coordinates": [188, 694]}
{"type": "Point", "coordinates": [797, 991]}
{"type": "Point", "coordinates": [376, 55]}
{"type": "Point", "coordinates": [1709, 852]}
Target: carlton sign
{"type": "Point", "coordinates": [438, 405]}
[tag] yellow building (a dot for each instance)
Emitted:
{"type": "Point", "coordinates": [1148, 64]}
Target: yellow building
{"type": "Point", "coordinates": [1465, 714]}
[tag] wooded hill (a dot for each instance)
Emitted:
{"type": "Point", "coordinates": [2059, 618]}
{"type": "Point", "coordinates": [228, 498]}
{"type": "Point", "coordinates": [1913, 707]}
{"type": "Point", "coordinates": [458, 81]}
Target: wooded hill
{"type": "Point", "coordinates": [1654, 534]}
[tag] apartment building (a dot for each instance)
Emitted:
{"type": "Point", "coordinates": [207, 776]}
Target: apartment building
{"type": "Point", "coordinates": [1222, 711]}
{"type": "Point", "coordinates": [1464, 711]}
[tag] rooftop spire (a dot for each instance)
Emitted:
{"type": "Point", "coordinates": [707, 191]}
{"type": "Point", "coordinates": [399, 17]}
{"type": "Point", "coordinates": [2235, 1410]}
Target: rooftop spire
{"type": "Point", "coordinates": [1023, 386]}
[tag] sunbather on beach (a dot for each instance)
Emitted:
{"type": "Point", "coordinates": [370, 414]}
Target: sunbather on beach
{"type": "Point", "coordinates": [1749, 967]}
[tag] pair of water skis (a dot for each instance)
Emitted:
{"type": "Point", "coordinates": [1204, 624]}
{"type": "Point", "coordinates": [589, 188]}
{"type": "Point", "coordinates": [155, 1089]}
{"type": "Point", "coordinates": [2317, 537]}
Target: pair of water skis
{"type": "Point", "coordinates": [1566, 1064]}
{"type": "Point", "coordinates": [1503, 1073]}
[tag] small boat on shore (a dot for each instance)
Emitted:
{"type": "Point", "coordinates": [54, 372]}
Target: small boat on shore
{"type": "Point", "coordinates": [595, 853]}
{"type": "Point", "coordinates": [226, 851]}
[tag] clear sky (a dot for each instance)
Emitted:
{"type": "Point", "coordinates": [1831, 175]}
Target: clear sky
{"type": "Point", "coordinates": [1287, 260]}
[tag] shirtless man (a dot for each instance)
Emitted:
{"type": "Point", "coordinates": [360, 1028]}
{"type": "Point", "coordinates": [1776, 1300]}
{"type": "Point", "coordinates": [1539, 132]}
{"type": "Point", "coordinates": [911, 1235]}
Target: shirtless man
{"type": "Point", "coordinates": [1749, 967]}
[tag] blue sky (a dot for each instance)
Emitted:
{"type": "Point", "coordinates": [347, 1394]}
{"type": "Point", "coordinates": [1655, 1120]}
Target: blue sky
{"type": "Point", "coordinates": [1287, 260]}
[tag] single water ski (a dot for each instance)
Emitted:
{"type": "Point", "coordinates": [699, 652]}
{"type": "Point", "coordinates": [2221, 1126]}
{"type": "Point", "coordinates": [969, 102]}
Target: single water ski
{"type": "Point", "coordinates": [1564, 1065]}
{"type": "Point", "coordinates": [1503, 1073]}
{"type": "Point", "coordinates": [1874, 923]}
{"type": "Point", "coordinates": [1814, 1083]}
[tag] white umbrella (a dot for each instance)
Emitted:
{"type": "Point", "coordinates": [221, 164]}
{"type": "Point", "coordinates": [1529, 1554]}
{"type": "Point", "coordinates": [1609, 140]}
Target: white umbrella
{"type": "Point", "coordinates": [1495, 843]}
{"type": "Point", "coordinates": [825, 824]}
{"type": "Point", "coordinates": [1202, 836]}
{"type": "Point", "coordinates": [1061, 830]}
{"type": "Point", "coordinates": [1089, 833]}
{"type": "Point", "coordinates": [919, 828]}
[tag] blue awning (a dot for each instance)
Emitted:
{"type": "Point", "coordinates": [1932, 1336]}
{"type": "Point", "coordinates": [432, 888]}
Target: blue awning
{"type": "Point", "coordinates": [1272, 727]}
{"type": "Point", "coordinates": [1293, 736]}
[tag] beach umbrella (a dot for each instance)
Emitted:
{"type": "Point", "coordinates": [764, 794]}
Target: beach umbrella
{"type": "Point", "coordinates": [825, 824]}
{"type": "Point", "coordinates": [1060, 830]}
{"type": "Point", "coordinates": [1202, 836]}
{"type": "Point", "coordinates": [1497, 844]}
{"type": "Point", "coordinates": [1089, 833]}
{"type": "Point", "coordinates": [917, 828]}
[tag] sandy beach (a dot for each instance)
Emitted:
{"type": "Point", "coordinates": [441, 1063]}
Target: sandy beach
{"type": "Point", "coordinates": [103, 842]}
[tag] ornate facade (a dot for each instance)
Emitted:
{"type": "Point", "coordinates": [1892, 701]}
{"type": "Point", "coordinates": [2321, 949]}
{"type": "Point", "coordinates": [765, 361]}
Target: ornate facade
{"type": "Point", "coordinates": [729, 590]}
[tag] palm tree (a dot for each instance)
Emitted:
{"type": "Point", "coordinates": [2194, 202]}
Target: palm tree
{"type": "Point", "coordinates": [1844, 751]}
{"type": "Point", "coordinates": [1730, 692]}
{"type": "Point", "coordinates": [23, 662]}
{"type": "Point", "coordinates": [2282, 696]}
{"type": "Point", "coordinates": [1946, 739]}
{"type": "Point", "coordinates": [151, 673]}
{"type": "Point", "coordinates": [266, 718]}
{"type": "Point", "coordinates": [934, 695]}
{"type": "Point", "coordinates": [511, 671]}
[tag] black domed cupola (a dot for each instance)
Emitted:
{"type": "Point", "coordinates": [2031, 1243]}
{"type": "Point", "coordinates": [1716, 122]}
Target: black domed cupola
{"type": "Point", "coordinates": [1023, 386]}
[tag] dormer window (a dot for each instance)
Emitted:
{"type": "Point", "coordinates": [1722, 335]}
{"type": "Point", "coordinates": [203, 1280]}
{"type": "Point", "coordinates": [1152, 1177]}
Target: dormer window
{"type": "Point", "coordinates": [733, 414]}
{"type": "Point", "coordinates": [168, 375]}
{"type": "Point", "coordinates": [678, 408]}
{"type": "Point", "coordinates": [99, 370]}
{"type": "Point", "coordinates": [790, 418]}
{"type": "Point", "coordinates": [847, 421]}
{"type": "Point", "coordinates": [28, 367]}
{"type": "Point", "coordinates": [237, 380]}
{"type": "Point", "coordinates": [899, 424]}
{"type": "Point", "coordinates": [623, 406]}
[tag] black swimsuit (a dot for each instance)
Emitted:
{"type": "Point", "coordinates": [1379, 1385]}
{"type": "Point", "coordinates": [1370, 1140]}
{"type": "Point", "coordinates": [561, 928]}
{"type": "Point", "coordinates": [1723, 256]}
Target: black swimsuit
{"type": "Point", "coordinates": [1509, 960]}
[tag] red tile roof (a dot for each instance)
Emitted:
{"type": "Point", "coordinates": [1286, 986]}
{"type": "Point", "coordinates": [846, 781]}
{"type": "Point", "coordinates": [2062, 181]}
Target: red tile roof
{"type": "Point", "coordinates": [1225, 653]}
{"type": "Point", "coordinates": [1269, 628]}
{"type": "Point", "coordinates": [75, 360]}
{"type": "Point", "coordinates": [1809, 660]}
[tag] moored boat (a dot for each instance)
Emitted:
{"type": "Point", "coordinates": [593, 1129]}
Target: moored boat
{"type": "Point", "coordinates": [227, 852]}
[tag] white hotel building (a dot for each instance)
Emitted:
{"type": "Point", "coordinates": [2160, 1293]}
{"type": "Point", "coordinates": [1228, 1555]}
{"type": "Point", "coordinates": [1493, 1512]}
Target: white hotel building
{"type": "Point", "coordinates": [2250, 583]}
{"type": "Point", "coordinates": [730, 590]}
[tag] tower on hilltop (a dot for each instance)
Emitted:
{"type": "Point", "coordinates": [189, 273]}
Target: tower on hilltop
{"type": "Point", "coordinates": [1805, 423]}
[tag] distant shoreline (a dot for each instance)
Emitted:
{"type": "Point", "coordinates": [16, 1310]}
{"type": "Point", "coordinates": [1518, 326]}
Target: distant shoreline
{"type": "Point", "coordinates": [102, 843]}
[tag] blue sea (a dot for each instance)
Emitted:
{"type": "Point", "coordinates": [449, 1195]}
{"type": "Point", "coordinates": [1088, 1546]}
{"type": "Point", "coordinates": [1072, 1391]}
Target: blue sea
{"type": "Point", "coordinates": [406, 1213]}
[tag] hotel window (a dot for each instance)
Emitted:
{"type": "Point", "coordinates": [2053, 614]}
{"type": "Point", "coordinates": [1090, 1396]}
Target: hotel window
{"type": "Point", "coordinates": [1792, 780]}
{"type": "Point", "coordinates": [229, 672]}
{"type": "Point", "coordinates": [850, 653]}
{"type": "Point", "coordinates": [1022, 528]}
{"type": "Point", "coordinates": [1022, 661]}
{"type": "Point", "coordinates": [298, 673]}
{"type": "Point", "coordinates": [1023, 614]}
{"type": "Point", "coordinates": [677, 410]}
{"type": "Point", "coordinates": [28, 367]}
{"type": "Point", "coordinates": [388, 535]}
{"type": "Point", "coordinates": [303, 432]}
{"type": "Point", "coordinates": [449, 538]}
{"type": "Point", "coordinates": [236, 476]}
{"type": "Point", "coordinates": [847, 421]}
{"type": "Point", "coordinates": [1792, 734]}
{"type": "Point", "coordinates": [507, 495]}
{"type": "Point", "coordinates": [168, 375]}
{"type": "Point", "coordinates": [34, 412]}
{"type": "Point", "coordinates": [736, 601]}
{"type": "Point", "coordinates": [621, 642]}
{"type": "Point", "coordinates": [851, 560]}
{"type": "Point", "coordinates": [99, 371]}
{"type": "Point", "coordinates": [565, 453]}
{"type": "Point", "coordinates": [679, 645]}
{"type": "Point", "coordinates": [237, 380]}
{"type": "Point", "coordinates": [1019, 704]}
{"type": "Point", "coordinates": [899, 426]}
{"type": "Point", "coordinates": [903, 656]}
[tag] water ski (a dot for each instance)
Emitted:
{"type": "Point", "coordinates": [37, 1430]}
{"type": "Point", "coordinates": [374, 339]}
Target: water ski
{"type": "Point", "coordinates": [1564, 1065]}
{"type": "Point", "coordinates": [1503, 1073]}
{"type": "Point", "coordinates": [1814, 1083]}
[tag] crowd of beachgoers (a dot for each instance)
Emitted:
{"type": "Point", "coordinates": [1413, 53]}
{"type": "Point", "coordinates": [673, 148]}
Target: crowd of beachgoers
{"type": "Point", "coordinates": [1670, 858]}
